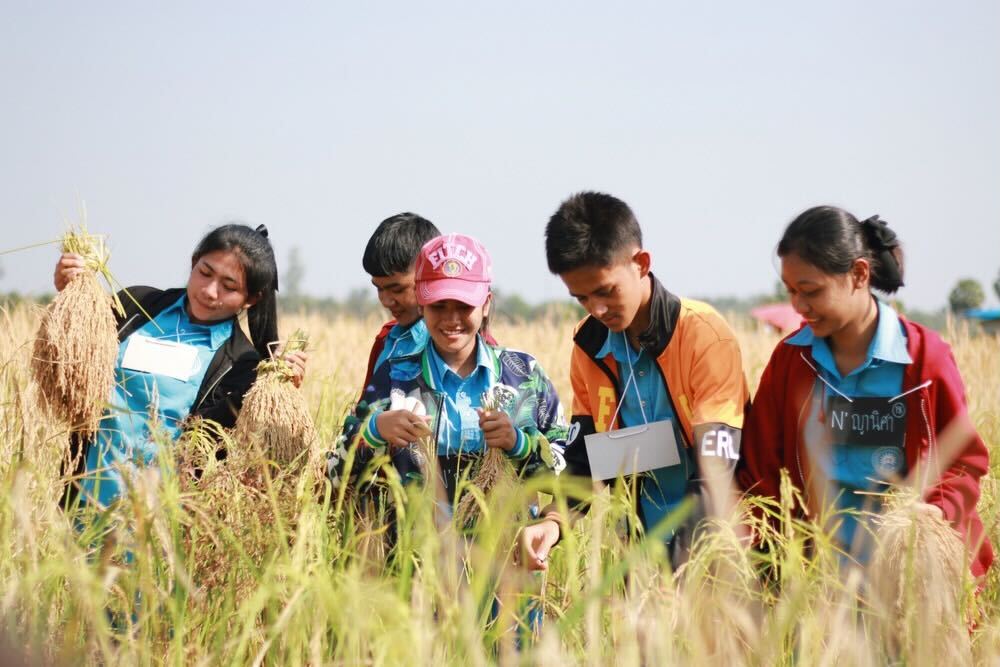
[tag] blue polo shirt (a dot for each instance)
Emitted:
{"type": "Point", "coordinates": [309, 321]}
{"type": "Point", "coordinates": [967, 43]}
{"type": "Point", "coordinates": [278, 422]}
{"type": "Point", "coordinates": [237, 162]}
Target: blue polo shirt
{"type": "Point", "coordinates": [125, 440]}
{"type": "Point", "coordinates": [645, 400]}
{"type": "Point", "coordinates": [458, 428]}
{"type": "Point", "coordinates": [866, 426]}
{"type": "Point", "coordinates": [403, 342]}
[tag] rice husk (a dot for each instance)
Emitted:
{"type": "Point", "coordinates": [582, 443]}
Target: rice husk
{"type": "Point", "coordinates": [918, 573]}
{"type": "Point", "coordinates": [75, 351]}
{"type": "Point", "coordinates": [275, 418]}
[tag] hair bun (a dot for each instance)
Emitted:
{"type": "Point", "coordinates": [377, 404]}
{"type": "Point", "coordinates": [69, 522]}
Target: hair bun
{"type": "Point", "coordinates": [262, 230]}
{"type": "Point", "coordinates": [880, 237]}
{"type": "Point", "coordinates": [882, 241]}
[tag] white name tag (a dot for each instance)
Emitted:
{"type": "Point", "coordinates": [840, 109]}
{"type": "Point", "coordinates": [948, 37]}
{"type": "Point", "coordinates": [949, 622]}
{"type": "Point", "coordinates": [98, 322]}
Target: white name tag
{"type": "Point", "coordinates": [632, 450]}
{"type": "Point", "coordinates": [160, 357]}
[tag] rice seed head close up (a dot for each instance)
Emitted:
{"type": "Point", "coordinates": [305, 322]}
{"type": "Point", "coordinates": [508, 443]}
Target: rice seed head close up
{"type": "Point", "coordinates": [76, 345]}
{"type": "Point", "coordinates": [275, 419]}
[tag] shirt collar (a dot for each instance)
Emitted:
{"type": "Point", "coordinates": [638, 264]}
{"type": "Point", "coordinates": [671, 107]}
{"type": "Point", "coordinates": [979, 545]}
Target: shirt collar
{"type": "Point", "coordinates": [441, 369]}
{"type": "Point", "coordinates": [888, 344]}
{"type": "Point", "coordinates": [617, 345]}
{"type": "Point", "coordinates": [416, 331]}
{"type": "Point", "coordinates": [218, 332]}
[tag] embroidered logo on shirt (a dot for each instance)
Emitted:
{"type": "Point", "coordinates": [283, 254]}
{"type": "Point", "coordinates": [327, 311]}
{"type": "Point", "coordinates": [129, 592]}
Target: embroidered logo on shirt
{"type": "Point", "coordinates": [887, 461]}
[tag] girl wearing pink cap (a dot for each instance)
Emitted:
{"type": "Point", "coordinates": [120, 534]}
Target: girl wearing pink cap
{"type": "Point", "coordinates": [450, 376]}
{"type": "Point", "coordinates": [453, 372]}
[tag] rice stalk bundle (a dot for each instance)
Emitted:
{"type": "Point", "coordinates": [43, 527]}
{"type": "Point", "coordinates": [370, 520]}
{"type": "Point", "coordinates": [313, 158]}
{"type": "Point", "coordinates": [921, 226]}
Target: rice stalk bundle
{"type": "Point", "coordinates": [495, 471]}
{"type": "Point", "coordinates": [76, 347]}
{"type": "Point", "coordinates": [240, 506]}
{"type": "Point", "coordinates": [918, 573]}
{"type": "Point", "coordinates": [275, 418]}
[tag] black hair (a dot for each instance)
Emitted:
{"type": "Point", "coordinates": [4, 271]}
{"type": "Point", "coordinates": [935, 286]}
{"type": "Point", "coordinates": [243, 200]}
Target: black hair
{"type": "Point", "coordinates": [590, 229]}
{"type": "Point", "coordinates": [260, 272]}
{"type": "Point", "coordinates": [831, 239]}
{"type": "Point", "coordinates": [395, 244]}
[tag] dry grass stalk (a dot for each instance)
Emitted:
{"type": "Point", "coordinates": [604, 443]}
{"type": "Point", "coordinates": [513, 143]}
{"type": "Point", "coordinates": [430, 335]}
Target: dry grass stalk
{"type": "Point", "coordinates": [76, 347]}
{"type": "Point", "coordinates": [919, 572]}
{"type": "Point", "coordinates": [275, 418]}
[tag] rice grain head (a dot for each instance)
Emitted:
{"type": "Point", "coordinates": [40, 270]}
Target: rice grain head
{"type": "Point", "coordinates": [919, 573]}
{"type": "Point", "coordinates": [275, 418]}
{"type": "Point", "coordinates": [76, 347]}
{"type": "Point", "coordinates": [495, 468]}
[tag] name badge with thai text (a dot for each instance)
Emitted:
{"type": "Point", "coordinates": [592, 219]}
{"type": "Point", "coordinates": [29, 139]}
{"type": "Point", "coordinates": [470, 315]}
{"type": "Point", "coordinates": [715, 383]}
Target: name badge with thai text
{"type": "Point", "coordinates": [872, 422]}
{"type": "Point", "coordinates": [160, 357]}
{"type": "Point", "coordinates": [632, 450]}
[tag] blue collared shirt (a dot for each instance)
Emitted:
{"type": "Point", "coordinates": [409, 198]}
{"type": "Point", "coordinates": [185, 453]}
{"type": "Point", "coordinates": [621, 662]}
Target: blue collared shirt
{"type": "Point", "coordinates": [403, 342]}
{"type": "Point", "coordinates": [645, 399]}
{"type": "Point", "coordinates": [124, 440]}
{"type": "Point", "coordinates": [862, 467]}
{"type": "Point", "coordinates": [458, 430]}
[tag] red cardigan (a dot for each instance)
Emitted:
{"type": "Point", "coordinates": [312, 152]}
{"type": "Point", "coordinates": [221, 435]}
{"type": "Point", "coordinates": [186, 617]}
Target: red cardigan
{"type": "Point", "coordinates": [772, 436]}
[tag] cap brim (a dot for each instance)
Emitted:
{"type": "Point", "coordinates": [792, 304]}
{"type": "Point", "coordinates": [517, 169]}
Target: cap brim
{"type": "Point", "coordinates": [468, 292]}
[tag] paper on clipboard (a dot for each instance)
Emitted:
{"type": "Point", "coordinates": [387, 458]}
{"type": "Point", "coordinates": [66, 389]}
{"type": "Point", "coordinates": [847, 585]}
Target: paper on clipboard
{"type": "Point", "coordinates": [632, 450]}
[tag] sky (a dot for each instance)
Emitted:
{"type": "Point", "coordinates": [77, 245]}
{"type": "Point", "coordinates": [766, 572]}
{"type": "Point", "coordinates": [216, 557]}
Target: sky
{"type": "Point", "coordinates": [716, 122]}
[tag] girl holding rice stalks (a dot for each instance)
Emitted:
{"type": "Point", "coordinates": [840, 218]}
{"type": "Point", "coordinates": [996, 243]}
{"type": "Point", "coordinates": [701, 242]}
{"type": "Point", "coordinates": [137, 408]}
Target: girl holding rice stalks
{"type": "Point", "coordinates": [182, 354]}
{"type": "Point", "coordinates": [498, 416]}
{"type": "Point", "coordinates": [460, 371]}
{"type": "Point", "coordinates": [860, 397]}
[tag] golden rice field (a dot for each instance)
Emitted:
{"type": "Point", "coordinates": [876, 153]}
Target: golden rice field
{"type": "Point", "coordinates": [265, 566]}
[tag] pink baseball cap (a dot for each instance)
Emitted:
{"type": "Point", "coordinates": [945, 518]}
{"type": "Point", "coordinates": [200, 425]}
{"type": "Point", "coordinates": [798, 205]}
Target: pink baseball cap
{"type": "Point", "coordinates": [453, 266]}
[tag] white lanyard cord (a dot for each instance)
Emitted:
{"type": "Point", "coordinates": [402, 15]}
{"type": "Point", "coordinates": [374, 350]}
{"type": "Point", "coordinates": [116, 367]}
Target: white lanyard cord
{"type": "Point", "coordinates": [631, 381]}
{"type": "Point", "coordinates": [824, 380]}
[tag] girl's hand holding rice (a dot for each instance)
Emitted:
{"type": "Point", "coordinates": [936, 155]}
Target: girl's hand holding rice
{"type": "Point", "coordinates": [297, 360]}
{"type": "Point", "coordinates": [401, 427]}
{"type": "Point", "coordinates": [498, 429]}
{"type": "Point", "coordinates": [68, 267]}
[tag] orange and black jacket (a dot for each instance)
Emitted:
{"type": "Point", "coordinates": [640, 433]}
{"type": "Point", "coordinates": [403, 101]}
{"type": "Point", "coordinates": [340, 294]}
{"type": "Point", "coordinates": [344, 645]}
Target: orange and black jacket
{"type": "Point", "coordinates": [700, 364]}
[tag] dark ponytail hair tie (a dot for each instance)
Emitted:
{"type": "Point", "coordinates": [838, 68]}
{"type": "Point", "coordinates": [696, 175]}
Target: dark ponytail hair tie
{"type": "Point", "coordinates": [262, 230]}
{"type": "Point", "coordinates": [882, 242]}
{"type": "Point", "coordinates": [880, 237]}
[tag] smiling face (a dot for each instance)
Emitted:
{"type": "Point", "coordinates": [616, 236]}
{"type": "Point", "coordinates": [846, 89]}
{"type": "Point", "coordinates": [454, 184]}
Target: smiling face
{"type": "Point", "coordinates": [615, 294]}
{"type": "Point", "coordinates": [827, 302]}
{"type": "Point", "coordinates": [397, 294]}
{"type": "Point", "coordinates": [453, 326]}
{"type": "Point", "coordinates": [216, 289]}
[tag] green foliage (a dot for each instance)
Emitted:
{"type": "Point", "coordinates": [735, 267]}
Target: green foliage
{"type": "Point", "coordinates": [966, 294]}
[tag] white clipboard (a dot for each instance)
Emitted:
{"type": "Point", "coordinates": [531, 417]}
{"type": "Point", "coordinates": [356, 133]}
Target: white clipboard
{"type": "Point", "coordinates": [632, 450]}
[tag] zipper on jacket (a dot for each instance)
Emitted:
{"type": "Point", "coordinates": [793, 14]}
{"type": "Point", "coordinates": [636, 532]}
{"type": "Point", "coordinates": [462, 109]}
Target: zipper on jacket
{"type": "Point", "coordinates": [126, 324]}
{"type": "Point", "coordinates": [211, 387]}
{"type": "Point", "coordinates": [930, 442]}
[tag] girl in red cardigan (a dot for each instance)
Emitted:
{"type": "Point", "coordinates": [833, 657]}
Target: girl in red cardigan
{"type": "Point", "coordinates": [860, 397]}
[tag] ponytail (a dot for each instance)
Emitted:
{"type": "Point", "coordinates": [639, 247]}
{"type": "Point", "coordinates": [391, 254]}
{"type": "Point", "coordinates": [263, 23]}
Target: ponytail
{"type": "Point", "coordinates": [886, 256]}
{"type": "Point", "coordinates": [253, 249]}
{"type": "Point", "coordinates": [831, 239]}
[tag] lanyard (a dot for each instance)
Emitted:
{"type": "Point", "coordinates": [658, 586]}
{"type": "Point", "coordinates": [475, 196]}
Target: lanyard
{"type": "Point", "coordinates": [631, 381]}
